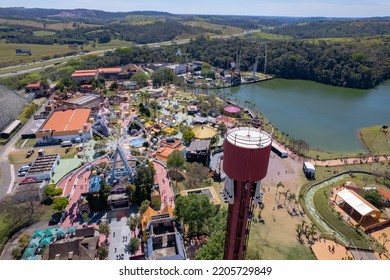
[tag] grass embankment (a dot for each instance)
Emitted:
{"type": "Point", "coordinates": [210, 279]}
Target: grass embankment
{"type": "Point", "coordinates": [376, 139]}
{"type": "Point", "coordinates": [321, 202]}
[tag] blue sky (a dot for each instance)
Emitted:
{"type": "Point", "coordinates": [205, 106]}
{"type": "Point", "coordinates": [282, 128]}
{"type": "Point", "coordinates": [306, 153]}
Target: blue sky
{"type": "Point", "coordinates": [327, 8]}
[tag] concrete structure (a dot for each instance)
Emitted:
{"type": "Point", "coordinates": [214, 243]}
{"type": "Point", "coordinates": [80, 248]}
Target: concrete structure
{"type": "Point", "coordinates": [65, 125]}
{"type": "Point", "coordinates": [246, 157]}
{"type": "Point", "coordinates": [210, 192]}
{"type": "Point", "coordinates": [85, 75]}
{"type": "Point", "coordinates": [162, 235]}
{"type": "Point", "coordinates": [87, 101]}
{"type": "Point", "coordinates": [43, 167]}
{"type": "Point", "coordinates": [192, 109]}
{"type": "Point", "coordinates": [199, 151]}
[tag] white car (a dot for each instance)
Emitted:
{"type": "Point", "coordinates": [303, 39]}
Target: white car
{"type": "Point", "coordinates": [22, 174]}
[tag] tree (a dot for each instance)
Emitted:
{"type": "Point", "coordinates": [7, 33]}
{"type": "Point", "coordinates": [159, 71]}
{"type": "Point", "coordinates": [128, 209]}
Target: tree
{"type": "Point", "coordinates": [175, 162]}
{"type": "Point", "coordinates": [214, 248]}
{"type": "Point", "coordinates": [194, 211]}
{"type": "Point", "coordinates": [24, 240]}
{"type": "Point", "coordinates": [222, 128]}
{"type": "Point", "coordinates": [141, 79]}
{"type": "Point", "coordinates": [60, 203]}
{"type": "Point", "coordinates": [154, 106]}
{"type": "Point", "coordinates": [16, 253]}
{"type": "Point", "coordinates": [144, 206]}
{"type": "Point", "coordinates": [196, 174]}
{"type": "Point", "coordinates": [102, 253]}
{"type": "Point", "coordinates": [134, 245]}
{"type": "Point", "coordinates": [114, 86]}
{"type": "Point", "coordinates": [188, 136]}
{"type": "Point", "coordinates": [373, 196]}
{"type": "Point", "coordinates": [104, 228]}
{"type": "Point", "coordinates": [162, 76]}
{"type": "Point", "coordinates": [51, 191]}
{"type": "Point", "coordinates": [134, 221]}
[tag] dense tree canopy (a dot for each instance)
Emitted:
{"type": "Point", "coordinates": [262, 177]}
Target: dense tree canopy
{"type": "Point", "coordinates": [194, 211]}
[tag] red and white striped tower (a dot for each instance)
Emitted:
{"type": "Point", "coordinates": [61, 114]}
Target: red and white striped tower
{"type": "Point", "coordinates": [245, 162]}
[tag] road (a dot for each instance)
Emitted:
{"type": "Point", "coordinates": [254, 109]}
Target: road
{"type": "Point", "coordinates": [6, 169]}
{"type": "Point", "coordinates": [13, 70]}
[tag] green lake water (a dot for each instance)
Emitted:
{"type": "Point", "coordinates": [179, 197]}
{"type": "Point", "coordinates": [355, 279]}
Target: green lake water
{"type": "Point", "coordinates": [326, 117]}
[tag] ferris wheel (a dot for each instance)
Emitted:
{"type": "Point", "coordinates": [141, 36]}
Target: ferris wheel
{"type": "Point", "coordinates": [122, 146]}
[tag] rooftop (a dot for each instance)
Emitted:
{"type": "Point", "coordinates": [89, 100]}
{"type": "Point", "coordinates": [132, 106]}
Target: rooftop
{"type": "Point", "coordinates": [248, 137]}
{"type": "Point", "coordinates": [82, 100]}
{"type": "Point", "coordinates": [111, 70]}
{"type": "Point", "coordinates": [199, 145]}
{"type": "Point", "coordinates": [68, 120]}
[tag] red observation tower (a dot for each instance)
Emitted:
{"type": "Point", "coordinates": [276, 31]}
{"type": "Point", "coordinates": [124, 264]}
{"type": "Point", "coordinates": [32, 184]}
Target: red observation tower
{"type": "Point", "coordinates": [245, 162]}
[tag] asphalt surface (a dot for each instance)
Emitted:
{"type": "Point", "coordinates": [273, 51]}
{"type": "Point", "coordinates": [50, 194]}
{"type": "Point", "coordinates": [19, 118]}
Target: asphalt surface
{"type": "Point", "coordinates": [6, 178]}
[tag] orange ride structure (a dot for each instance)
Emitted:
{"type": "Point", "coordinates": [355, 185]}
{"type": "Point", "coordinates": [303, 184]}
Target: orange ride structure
{"type": "Point", "coordinates": [246, 157]}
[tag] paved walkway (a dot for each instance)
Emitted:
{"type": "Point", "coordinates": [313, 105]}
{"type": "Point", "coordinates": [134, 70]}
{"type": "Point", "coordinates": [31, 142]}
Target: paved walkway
{"type": "Point", "coordinates": [166, 192]}
{"type": "Point", "coordinates": [330, 250]}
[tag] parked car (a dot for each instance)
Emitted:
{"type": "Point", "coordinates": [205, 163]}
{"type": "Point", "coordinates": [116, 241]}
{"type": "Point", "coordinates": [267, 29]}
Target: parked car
{"type": "Point", "coordinates": [29, 153]}
{"type": "Point", "coordinates": [22, 174]}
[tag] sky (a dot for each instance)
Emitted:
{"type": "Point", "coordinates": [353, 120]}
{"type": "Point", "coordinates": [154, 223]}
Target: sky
{"type": "Point", "coordinates": [307, 8]}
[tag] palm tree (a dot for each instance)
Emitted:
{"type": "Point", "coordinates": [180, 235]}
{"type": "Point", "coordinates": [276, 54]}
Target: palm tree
{"type": "Point", "coordinates": [280, 184]}
{"type": "Point", "coordinates": [299, 231]}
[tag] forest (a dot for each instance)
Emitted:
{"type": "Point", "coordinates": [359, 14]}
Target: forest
{"type": "Point", "coordinates": [337, 29]}
{"type": "Point", "coordinates": [358, 64]}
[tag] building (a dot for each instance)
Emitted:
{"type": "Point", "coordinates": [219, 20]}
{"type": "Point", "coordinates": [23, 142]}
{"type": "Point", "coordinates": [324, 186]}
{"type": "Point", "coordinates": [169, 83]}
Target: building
{"type": "Point", "coordinates": [309, 170]}
{"type": "Point", "coordinates": [162, 235]}
{"type": "Point", "coordinates": [82, 246]}
{"type": "Point", "coordinates": [65, 125]}
{"type": "Point", "coordinates": [85, 75]}
{"type": "Point", "coordinates": [246, 157]}
{"type": "Point", "coordinates": [199, 151]}
{"type": "Point", "coordinates": [192, 109]}
{"type": "Point", "coordinates": [118, 199]}
{"type": "Point", "coordinates": [113, 73]}
{"type": "Point", "coordinates": [34, 88]}
{"type": "Point", "coordinates": [279, 150]}
{"type": "Point", "coordinates": [168, 146]}
{"type": "Point", "coordinates": [209, 192]}
{"type": "Point", "coordinates": [87, 101]}
{"type": "Point", "coordinates": [156, 93]}
{"type": "Point", "coordinates": [6, 133]}
{"type": "Point", "coordinates": [11, 104]}
{"type": "Point", "coordinates": [177, 69]}
{"type": "Point", "coordinates": [43, 167]}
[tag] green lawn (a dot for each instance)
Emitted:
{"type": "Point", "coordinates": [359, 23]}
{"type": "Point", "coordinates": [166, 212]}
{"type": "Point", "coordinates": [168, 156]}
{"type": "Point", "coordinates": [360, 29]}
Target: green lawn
{"type": "Point", "coordinates": [324, 209]}
{"type": "Point", "coordinates": [269, 36]}
{"type": "Point", "coordinates": [376, 139]}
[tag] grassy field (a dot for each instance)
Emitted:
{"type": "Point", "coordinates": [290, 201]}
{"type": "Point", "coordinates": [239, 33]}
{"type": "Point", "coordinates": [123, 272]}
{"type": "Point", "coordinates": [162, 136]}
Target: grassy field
{"type": "Point", "coordinates": [9, 57]}
{"type": "Point", "coordinates": [376, 139]}
{"type": "Point", "coordinates": [43, 33]}
{"type": "Point", "coordinates": [19, 157]}
{"type": "Point", "coordinates": [49, 26]}
{"type": "Point", "coordinates": [321, 202]}
{"type": "Point", "coordinates": [29, 143]}
{"type": "Point", "coordinates": [226, 30]}
{"type": "Point", "coordinates": [270, 36]}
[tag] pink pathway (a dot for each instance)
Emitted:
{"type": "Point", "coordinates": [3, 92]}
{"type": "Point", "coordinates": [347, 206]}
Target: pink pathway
{"type": "Point", "coordinates": [73, 185]}
{"type": "Point", "coordinates": [166, 193]}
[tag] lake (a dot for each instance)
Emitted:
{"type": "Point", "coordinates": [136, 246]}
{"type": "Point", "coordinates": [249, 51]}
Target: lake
{"type": "Point", "coordinates": [326, 117]}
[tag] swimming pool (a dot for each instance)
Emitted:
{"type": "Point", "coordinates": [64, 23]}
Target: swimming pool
{"type": "Point", "coordinates": [137, 142]}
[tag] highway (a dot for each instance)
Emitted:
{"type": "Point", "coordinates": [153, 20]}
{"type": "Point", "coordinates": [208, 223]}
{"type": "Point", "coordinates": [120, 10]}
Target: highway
{"type": "Point", "coordinates": [39, 65]}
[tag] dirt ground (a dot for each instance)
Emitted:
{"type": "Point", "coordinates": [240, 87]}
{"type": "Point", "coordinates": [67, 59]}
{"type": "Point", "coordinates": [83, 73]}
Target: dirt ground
{"type": "Point", "coordinates": [276, 238]}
